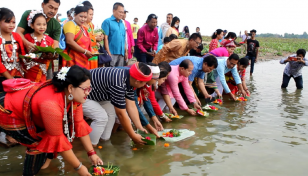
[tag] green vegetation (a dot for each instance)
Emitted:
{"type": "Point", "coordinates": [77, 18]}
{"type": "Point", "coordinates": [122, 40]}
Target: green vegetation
{"type": "Point", "coordinates": [271, 46]}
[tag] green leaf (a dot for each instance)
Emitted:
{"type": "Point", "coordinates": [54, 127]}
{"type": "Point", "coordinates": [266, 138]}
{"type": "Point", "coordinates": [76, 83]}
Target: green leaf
{"type": "Point", "coordinates": [171, 116]}
{"type": "Point", "coordinates": [65, 56]}
{"type": "Point", "coordinates": [148, 142]}
{"type": "Point", "coordinates": [48, 49]}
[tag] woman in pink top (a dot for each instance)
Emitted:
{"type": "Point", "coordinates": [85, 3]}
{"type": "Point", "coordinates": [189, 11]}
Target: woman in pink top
{"type": "Point", "coordinates": [130, 38]}
{"type": "Point", "coordinates": [179, 74]}
{"type": "Point", "coordinates": [225, 51]}
{"type": "Point", "coordinates": [147, 41]}
{"type": "Point", "coordinates": [217, 35]}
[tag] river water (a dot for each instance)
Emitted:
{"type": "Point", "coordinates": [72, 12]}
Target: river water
{"type": "Point", "coordinates": [264, 136]}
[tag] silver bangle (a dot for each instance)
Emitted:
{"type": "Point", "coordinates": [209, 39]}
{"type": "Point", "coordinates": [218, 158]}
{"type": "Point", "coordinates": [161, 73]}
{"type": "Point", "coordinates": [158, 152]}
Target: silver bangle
{"type": "Point", "coordinates": [85, 52]}
{"type": "Point", "coordinates": [76, 169]}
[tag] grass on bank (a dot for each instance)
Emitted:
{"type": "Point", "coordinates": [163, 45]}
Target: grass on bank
{"type": "Point", "coordinates": [272, 46]}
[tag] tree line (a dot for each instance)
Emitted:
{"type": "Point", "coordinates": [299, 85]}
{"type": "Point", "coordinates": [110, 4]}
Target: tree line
{"type": "Point", "coordinates": [286, 35]}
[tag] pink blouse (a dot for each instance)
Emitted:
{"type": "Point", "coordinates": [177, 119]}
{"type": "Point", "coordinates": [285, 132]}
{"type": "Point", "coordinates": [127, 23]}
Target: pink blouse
{"type": "Point", "coordinates": [172, 82]}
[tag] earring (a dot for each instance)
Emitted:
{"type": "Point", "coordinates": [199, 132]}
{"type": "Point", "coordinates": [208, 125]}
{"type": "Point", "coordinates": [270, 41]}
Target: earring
{"type": "Point", "coordinates": [70, 97]}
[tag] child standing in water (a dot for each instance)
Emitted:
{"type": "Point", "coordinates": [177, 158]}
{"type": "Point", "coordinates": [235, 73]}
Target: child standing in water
{"type": "Point", "coordinates": [11, 47]}
{"type": "Point", "coordinates": [295, 63]}
{"type": "Point", "coordinates": [37, 68]}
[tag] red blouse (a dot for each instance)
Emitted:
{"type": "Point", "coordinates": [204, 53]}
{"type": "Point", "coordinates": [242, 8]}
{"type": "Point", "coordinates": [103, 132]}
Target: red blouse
{"type": "Point", "coordinates": [47, 113]}
{"type": "Point", "coordinates": [153, 101]}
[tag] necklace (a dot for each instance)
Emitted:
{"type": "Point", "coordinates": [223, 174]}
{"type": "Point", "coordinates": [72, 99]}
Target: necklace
{"type": "Point", "coordinates": [66, 129]}
{"type": "Point", "coordinates": [10, 63]}
{"type": "Point", "coordinates": [42, 41]}
{"type": "Point", "coordinates": [31, 63]}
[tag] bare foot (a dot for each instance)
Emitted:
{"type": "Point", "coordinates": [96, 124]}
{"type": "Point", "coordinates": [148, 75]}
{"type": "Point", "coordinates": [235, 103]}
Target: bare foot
{"type": "Point", "coordinates": [46, 164]}
{"type": "Point", "coordinates": [11, 140]}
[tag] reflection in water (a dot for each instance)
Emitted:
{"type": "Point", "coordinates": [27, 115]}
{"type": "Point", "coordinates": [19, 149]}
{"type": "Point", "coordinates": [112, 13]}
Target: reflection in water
{"type": "Point", "coordinates": [264, 136]}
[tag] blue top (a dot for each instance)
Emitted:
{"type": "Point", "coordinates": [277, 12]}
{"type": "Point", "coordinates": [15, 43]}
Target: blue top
{"type": "Point", "coordinates": [116, 35]}
{"type": "Point", "coordinates": [198, 63]}
{"type": "Point", "coordinates": [222, 69]}
{"type": "Point", "coordinates": [160, 38]}
{"type": "Point", "coordinates": [221, 39]}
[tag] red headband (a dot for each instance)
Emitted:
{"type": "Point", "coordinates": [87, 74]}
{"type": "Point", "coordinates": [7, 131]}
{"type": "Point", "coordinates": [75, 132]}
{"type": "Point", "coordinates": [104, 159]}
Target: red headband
{"type": "Point", "coordinates": [138, 75]}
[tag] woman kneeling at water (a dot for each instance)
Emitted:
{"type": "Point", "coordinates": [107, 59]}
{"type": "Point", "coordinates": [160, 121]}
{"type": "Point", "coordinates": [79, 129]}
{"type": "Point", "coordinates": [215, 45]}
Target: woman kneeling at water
{"type": "Point", "coordinates": [47, 117]}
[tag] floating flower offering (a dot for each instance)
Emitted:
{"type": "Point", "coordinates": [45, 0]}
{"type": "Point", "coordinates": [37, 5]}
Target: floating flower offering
{"type": "Point", "coordinates": [174, 116]}
{"type": "Point", "coordinates": [202, 113]}
{"type": "Point", "coordinates": [105, 170]}
{"type": "Point", "coordinates": [210, 108]}
{"type": "Point", "coordinates": [218, 101]}
{"type": "Point", "coordinates": [100, 147]}
{"type": "Point", "coordinates": [172, 133]}
{"type": "Point", "coordinates": [166, 145]}
{"type": "Point", "coordinates": [241, 99]}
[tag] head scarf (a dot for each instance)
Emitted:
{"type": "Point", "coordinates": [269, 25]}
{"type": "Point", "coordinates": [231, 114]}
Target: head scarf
{"type": "Point", "coordinates": [228, 43]}
{"type": "Point", "coordinates": [137, 74]}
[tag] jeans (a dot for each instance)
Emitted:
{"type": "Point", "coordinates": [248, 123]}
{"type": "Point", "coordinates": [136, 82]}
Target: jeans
{"type": "Point", "coordinates": [252, 62]}
{"type": "Point", "coordinates": [298, 81]}
{"type": "Point", "coordinates": [148, 108]}
{"type": "Point", "coordinates": [144, 57]}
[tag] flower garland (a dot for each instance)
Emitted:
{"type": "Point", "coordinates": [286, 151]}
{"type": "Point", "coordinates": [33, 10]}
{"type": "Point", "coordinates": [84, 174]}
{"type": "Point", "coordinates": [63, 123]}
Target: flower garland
{"type": "Point", "coordinates": [5, 59]}
{"type": "Point", "coordinates": [32, 14]}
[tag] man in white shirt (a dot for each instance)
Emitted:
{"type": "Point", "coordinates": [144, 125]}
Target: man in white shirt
{"type": "Point", "coordinates": [244, 37]}
{"type": "Point", "coordinates": [165, 26]}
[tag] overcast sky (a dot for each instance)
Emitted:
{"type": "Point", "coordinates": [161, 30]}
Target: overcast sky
{"type": "Point", "coordinates": [266, 16]}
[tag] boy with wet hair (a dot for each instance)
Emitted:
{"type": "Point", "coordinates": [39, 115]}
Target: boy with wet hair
{"type": "Point", "coordinates": [295, 63]}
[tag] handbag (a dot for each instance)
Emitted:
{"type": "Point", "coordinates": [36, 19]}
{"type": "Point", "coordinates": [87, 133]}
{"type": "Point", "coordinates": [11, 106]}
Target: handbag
{"type": "Point", "coordinates": [104, 57]}
{"type": "Point", "coordinates": [12, 85]}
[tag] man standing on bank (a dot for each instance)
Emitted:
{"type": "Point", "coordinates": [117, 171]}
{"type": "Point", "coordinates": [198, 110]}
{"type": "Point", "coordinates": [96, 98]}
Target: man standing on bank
{"type": "Point", "coordinates": [115, 36]}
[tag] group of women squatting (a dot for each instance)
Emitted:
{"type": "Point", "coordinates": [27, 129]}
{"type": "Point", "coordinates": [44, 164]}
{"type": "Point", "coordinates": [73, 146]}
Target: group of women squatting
{"type": "Point", "coordinates": [46, 115]}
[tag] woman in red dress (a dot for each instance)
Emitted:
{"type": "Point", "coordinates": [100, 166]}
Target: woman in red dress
{"type": "Point", "coordinates": [46, 117]}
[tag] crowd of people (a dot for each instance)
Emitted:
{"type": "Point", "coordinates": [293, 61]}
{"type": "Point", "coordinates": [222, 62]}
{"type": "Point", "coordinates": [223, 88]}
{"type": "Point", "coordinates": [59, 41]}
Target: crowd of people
{"type": "Point", "coordinates": [45, 110]}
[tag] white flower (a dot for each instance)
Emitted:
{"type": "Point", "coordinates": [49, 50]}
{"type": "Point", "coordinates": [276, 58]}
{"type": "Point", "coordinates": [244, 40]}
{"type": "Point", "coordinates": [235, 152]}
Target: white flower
{"type": "Point", "coordinates": [62, 73]}
{"type": "Point", "coordinates": [32, 55]}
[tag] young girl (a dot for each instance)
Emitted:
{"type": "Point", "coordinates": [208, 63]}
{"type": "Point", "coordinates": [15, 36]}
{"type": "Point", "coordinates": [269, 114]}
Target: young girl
{"type": "Point", "coordinates": [89, 27]}
{"type": "Point", "coordinates": [217, 35]}
{"type": "Point", "coordinates": [36, 70]}
{"type": "Point", "coordinates": [11, 47]}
